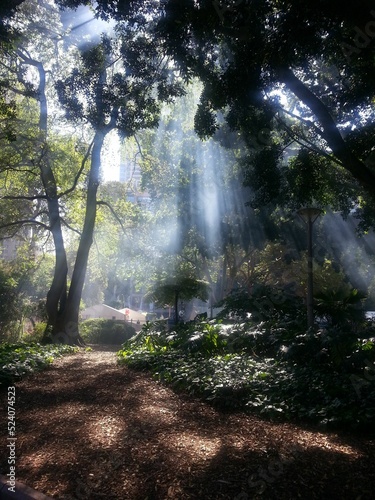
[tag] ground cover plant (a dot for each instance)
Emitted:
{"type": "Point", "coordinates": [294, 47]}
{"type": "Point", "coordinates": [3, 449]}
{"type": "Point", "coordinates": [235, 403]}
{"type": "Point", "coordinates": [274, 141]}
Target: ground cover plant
{"type": "Point", "coordinates": [20, 359]}
{"type": "Point", "coordinates": [276, 369]}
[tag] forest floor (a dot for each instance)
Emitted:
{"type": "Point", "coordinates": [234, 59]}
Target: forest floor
{"type": "Point", "coordinates": [89, 429]}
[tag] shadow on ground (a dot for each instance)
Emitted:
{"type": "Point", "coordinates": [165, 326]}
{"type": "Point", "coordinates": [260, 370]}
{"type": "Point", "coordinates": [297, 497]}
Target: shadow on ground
{"type": "Point", "coordinates": [88, 429]}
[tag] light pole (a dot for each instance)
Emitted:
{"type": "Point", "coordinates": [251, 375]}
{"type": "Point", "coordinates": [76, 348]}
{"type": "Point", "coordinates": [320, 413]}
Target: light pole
{"type": "Point", "coordinates": [309, 216]}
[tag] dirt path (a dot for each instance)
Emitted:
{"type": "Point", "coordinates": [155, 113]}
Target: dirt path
{"type": "Point", "coordinates": [88, 429]}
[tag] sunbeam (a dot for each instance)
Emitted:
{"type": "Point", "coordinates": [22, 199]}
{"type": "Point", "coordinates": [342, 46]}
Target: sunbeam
{"type": "Point", "coordinates": [83, 26]}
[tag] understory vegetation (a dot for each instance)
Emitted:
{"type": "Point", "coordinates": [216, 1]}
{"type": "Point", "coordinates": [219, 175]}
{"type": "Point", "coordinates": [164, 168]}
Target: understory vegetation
{"type": "Point", "coordinates": [20, 359]}
{"type": "Point", "coordinates": [105, 331]}
{"type": "Point", "coordinates": [270, 366]}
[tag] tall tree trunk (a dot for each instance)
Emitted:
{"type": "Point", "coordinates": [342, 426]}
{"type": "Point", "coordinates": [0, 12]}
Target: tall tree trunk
{"type": "Point", "coordinates": [57, 294]}
{"type": "Point", "coordinates": [67, 330]}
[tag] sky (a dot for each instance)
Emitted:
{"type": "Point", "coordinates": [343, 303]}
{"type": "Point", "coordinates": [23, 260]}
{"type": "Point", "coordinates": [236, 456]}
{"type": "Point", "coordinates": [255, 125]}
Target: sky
{"type": "Point", "coordinates": [86, 27]}
{"type": "Point", "coordinates": [111, 158]}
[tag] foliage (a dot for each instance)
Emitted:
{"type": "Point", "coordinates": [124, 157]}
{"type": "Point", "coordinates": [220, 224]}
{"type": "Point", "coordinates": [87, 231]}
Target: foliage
{"type": "Point", "coordinates": [185, 287]}
{"type": "Point", "coordinates": [179, 284]}
{"type": "Point", "coordinates": [324, 377]}
{"type": "Point", "coordinates": [113, 82]}
{"type": "Point", "coordinates": [113, 86]}
{"type": "Point", "coordinates": [20, 359]}
{"type": "Point", "coordinates": [105, 331]}
{"type": "Point", "coordinates": [9, 300]}
{"type": "Point", "coordinates": [36, 335]}
{"type": "Point", "coordinates": [190, 184]}
{"type": "Point", "coordinates": [43, 170]}
{"type": "Point", "coordinates": [263, 303]}
{"type": "Point", "coordinates": [340, 306]}
{"type": "Point", "coordinates": [244, 50]}
{"type": "Point", "coordinates": [117, 255]}
{"type": "Point", "coordinates": [314, 180]}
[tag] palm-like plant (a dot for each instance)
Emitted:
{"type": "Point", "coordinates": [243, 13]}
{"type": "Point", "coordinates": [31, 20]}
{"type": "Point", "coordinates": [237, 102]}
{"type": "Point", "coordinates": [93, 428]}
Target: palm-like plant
{"type": "Point", "coordinates": [170, 290]}
{"type": "Point", "coordinates": [340, 306]}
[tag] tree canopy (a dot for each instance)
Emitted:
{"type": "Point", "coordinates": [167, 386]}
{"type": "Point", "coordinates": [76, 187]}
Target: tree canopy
{"type": "Point", "coordinates": [286, 94]}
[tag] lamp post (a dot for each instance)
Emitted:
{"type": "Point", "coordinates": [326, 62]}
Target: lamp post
{"type": "Point", "coordinates": [309, 216]}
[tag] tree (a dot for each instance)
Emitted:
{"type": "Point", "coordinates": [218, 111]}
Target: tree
{"type": "Point", "coordinates": [169, 290]}
{"type": "Point", "coordinates": [196, 200]}
{"type": "Point", "coordinates": [35, 181]}
{"type": "Point", "coordinates": [321, 56]}
{"type": "Point", "coordinates": [250, 56]}
{"type": "Point", "coordinates": [116, 96]}
{"type": "Point", "coordinates": [116, 85]}
{"type": "Point", "coordinates": [121, 257]}
{"type": "Point", "coordinates": [243, 52]}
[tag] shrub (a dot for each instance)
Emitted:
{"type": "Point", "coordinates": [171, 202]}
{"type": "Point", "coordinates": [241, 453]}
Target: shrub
{"type": "Point", "coordinates": [237, 303]}
{"type": "Point", "coordinates": [9, 302]}
{"type": "Point", "coordinates": [106, 331]}
{"type": "Point", "coordinates": [341, 306]}
{"type": "Point", "coordinates": [37, 333]}
{"type": "Point", "coordinates": [263, 304]}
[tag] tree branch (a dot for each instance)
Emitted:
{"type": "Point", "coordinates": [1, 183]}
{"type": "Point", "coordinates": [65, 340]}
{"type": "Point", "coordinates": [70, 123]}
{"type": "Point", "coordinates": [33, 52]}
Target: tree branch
{"type": "Point", "coordinates": [76, 178]}
{"type": "Point", "coordinates": [308, 123]}
{"type": "Point", "coordinates": [27, 198]}
{"type": "Point", "coordinates": [139, 146]}
{"type": "Point", "coordinates": [106, 204]}
{"type": "Point", "coordinates": [20, 170]}
{"type": "Point", "coordinates": [306, 143]}
{"type": "Point", "coordinates": [27, 59]}
{"type": "Point", "coordinates": [26, 222]}
{"type": "Point", "coordinates": [330, 132]}
{"type": "Point", "coordinates": [70, 227]}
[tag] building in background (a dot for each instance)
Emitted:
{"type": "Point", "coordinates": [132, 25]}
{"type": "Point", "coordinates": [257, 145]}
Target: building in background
{"type": "Point", "coordinates": [131, 175]}
{"type": "Point", "coordinates": [9, 247]}
{"type": "Point", "coordinates": [101, 311]}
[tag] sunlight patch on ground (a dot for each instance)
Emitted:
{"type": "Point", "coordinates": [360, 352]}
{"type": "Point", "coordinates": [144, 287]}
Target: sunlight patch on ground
{"type": "Point", "coordinates": [159, 414]}
{"type": "Point", "coordinates": [105, 430]}
{"type": "Point", "coordinates": [70, 408]}
{"type": "Point", "coordinates": [308, 441]}
{"type": "Point", "coordinates": [37, 459]}
{"type": "Point", "coordinates": [337, 448]}
{"type": "Point", "coordinates": [198, 447]}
